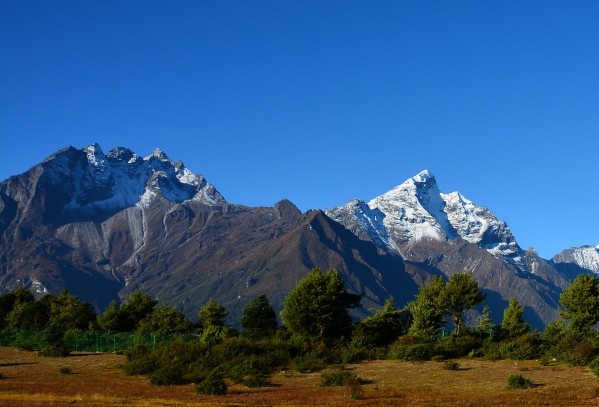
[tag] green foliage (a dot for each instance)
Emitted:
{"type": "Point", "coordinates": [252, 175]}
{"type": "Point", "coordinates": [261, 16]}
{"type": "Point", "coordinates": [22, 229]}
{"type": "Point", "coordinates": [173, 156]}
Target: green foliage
{"type": "Point", "coordinates": [554, 332]}
{"type": "Point", "coordinates": [517, 381]}
{"type": "Point", "coordinates": [319, 306]}
{"type": "Point", "coordinates": [165, 320]}
{"type": "Point", "coordinates": [213, 385]}
{"type": "Point", "coordinates": [581, 302]}
{"type": "Point", "coordinates": [381, 329]}
{"type": "Point", "coordinates": [524, 347]}
{"type": "Point", "coordinates": [486, 327]}
{"type": "Point", "coordinates": [411, 349]}
{"type": "Point", "coordinates": [513, 324]}
{"type": "Point", "coordinates": [594, 366]}
{"type": "Point", "coordinates": [137, 307]}
{"type": "Point", "coordinates": [28, 316]}
{"type": "Point", "coordinates": [308, 363]}
{"type": "Point", "coordinates": [55, 345]}
{"type": "Point", "coordinates": [427, 315]}
{"type": "Point", "coordinates": [167, 375]}
{"type": "Point", "coordinates": [111, 319]}
{"type": "Point", "coordinates": [337, 377]}
{"type": "Point", "coordinates": [212, 314]}
{"type": "Point", "coordinates": [461, 293]}
{"type": "Point", "coordinates": [256, 381]}
{"type": "Point", "coordinates": [139, 361]}
{"type": "Point", "coordinates": [451, 365]}
{"type": "Point", "coordinates": [9, 300]}
{"type": "Point", "coordinates": [455, 346]}
{"type": "Point", "coordinates": [575, 348]}
{"type": "Point", "coordinates": [212, 334]}
{"type": "Point", "coordinates": [69, 313]}
{"type": "Point", "coordinates": [259, 319]}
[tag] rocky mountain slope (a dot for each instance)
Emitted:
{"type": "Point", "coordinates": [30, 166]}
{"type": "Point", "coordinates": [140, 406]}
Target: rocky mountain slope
{"type": "Point", "coordinates": [103, 225]}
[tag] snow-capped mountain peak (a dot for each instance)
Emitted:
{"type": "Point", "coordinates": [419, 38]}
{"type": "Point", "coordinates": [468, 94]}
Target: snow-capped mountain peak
{"type": "Point", "coordinates": [90, 182]}
{"type": "Point", "coordinates": [417, 210]}
{"type": "Point", "coordinates": [586, 257]}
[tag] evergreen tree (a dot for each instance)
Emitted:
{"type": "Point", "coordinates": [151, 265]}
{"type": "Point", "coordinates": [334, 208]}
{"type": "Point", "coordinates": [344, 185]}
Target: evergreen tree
{"type": "Point", "coordinates": [29, 316]}
{"type": "Point", "coordinates": [213, 314]}
{"type": "Point", "coordinates": [382, 328]}
{"type": "Point", "coordinates": [137, 307]}
{"type": "Point", "coordinates": [319, 306]}
{"type": "Point", "coordinates": [427, 315]}
{"type": "Point", "coordinates": [486, 326]}
{"type": "Point", "coordinates": [259, 319]}
{"type": "Point", "coordinates": [111, 320]}
{"type": "Point", "coordinates": [580, 303]}
{"type": "Point", "coordinates": [460, 294]}
{"type": "Point", "coordinates": [67, 312]}
{"type": "Point", "coordinates": [513, 324]}
{"type": "Point", "coordinates": [212, 318]}
{"type": "Point", "coordinates": [165, 320]}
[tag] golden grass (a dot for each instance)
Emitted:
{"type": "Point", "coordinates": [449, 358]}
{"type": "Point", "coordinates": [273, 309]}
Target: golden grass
{"type": "Point", "coordinates": [96, 380]}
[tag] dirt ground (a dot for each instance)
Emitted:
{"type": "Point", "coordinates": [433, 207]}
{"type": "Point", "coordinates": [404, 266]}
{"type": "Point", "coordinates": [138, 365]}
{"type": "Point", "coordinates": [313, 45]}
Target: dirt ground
{"type": "Point", "coordinates": [96, 380]}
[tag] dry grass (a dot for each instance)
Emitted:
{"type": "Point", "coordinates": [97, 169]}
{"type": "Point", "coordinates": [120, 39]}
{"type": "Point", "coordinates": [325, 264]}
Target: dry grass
{"type": "Point", "coordinates": [95, 380]}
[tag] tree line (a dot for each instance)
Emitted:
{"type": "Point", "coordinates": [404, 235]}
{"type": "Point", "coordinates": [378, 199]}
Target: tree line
{"type": "Point", "coordinates": [317, 329]}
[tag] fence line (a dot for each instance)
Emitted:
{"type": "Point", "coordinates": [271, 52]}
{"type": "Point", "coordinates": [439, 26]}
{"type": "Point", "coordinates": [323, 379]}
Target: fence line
{"type": "Point", "coordinates": [95, 341]}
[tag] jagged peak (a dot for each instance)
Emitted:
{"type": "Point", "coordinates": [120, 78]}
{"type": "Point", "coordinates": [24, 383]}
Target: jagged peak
{"type": "Point", "coordinates": [159, 154]}
{"type": "Point", "coordinates": [424, 180]}
{"type": "Point", "coordinates": [95, 155]}
{"type": "Point", "coordinates": [424, 176]}
{"type": "Point", "coordinates": [122, 154]}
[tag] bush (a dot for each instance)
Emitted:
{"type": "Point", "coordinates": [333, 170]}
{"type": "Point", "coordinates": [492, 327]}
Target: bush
{"type": "Point", "coordinates": [65, 370]}
{"type": "Point", "coordinates": [213, 385]}
{"type": "Point", "coordinates": [451, 365]}
{"type": "Point", "coordinates": [257, 381]}
{"type": "Point", "coordinates": [575, 349]}
{"type": "Point", "coordinates": [167, 375]}
{"type": "Point", "coordinates": [338, 377]}
{"type": "Point", "coordinates": [307, 363]}
{"type": "Point", "coordinates": [55, 351]}
{"type": "Point", "coordinates": [415, 352]}
{"type": "Point", "coordinates": [456, 346]}
{"type": "Point", "coordinates": [594, 366]}
{"type": "Point", "coordinates": [517, 381]}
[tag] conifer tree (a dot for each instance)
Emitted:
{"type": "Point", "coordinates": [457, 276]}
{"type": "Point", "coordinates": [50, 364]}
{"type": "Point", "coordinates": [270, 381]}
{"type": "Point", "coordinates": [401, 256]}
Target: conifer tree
{"type": "Point", "coordinates": [513, 324]}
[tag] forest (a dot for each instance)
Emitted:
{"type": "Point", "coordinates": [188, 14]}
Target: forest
{"type": "Point", "coordinates": [315, 332]}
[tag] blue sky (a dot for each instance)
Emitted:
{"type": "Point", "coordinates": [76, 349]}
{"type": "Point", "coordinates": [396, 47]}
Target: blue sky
{"type": "Point", "coordinates": [323, 101]}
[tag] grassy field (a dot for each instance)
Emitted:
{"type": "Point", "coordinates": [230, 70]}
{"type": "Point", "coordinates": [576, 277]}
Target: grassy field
{"type": "Point", "coordinates": [96, 380]}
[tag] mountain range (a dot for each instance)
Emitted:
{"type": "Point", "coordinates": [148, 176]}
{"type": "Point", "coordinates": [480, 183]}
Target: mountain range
{"type": "Point", "coordinates": [104, 225]}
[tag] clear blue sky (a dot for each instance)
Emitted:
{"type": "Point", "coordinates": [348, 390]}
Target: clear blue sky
{"type": "Point", "coordinates": [323, 101]}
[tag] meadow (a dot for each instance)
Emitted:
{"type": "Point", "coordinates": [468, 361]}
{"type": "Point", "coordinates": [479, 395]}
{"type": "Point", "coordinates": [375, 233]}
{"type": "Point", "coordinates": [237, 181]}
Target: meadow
{"type": "Point", "coordinates": [96, 379]}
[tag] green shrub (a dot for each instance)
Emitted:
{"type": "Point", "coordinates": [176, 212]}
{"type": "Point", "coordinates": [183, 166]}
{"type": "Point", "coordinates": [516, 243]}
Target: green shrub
{"type": "Point", "coordinates": [55, 350]}
{"type": "Point", "coordinates": [517, 381]}
{"type": "Point", "coordinates": [415, 352]}
{"type": "Point", "coordinates": [140, 364]}
{"type": "Point", "coordinates": [307, 363]}
{"type": "Point", "coordinates": [257, 381]}
{"type": "Point", "coordinates": [575, 349]}
{"type": "Point", "coordinates": [167, 375]}
{"type": "Point", "coordinates": [337, 377]}
{"type": "Point", "coordinates": [212, 385]}
{"type": "Point", "coordinates": [456, 346]}
{"type": "Point", "coordinates": [65, 370]}
{"type": "Point", "coordinates": [594, 366]}
{"type": "Point", "coordinates": [451, 365]}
